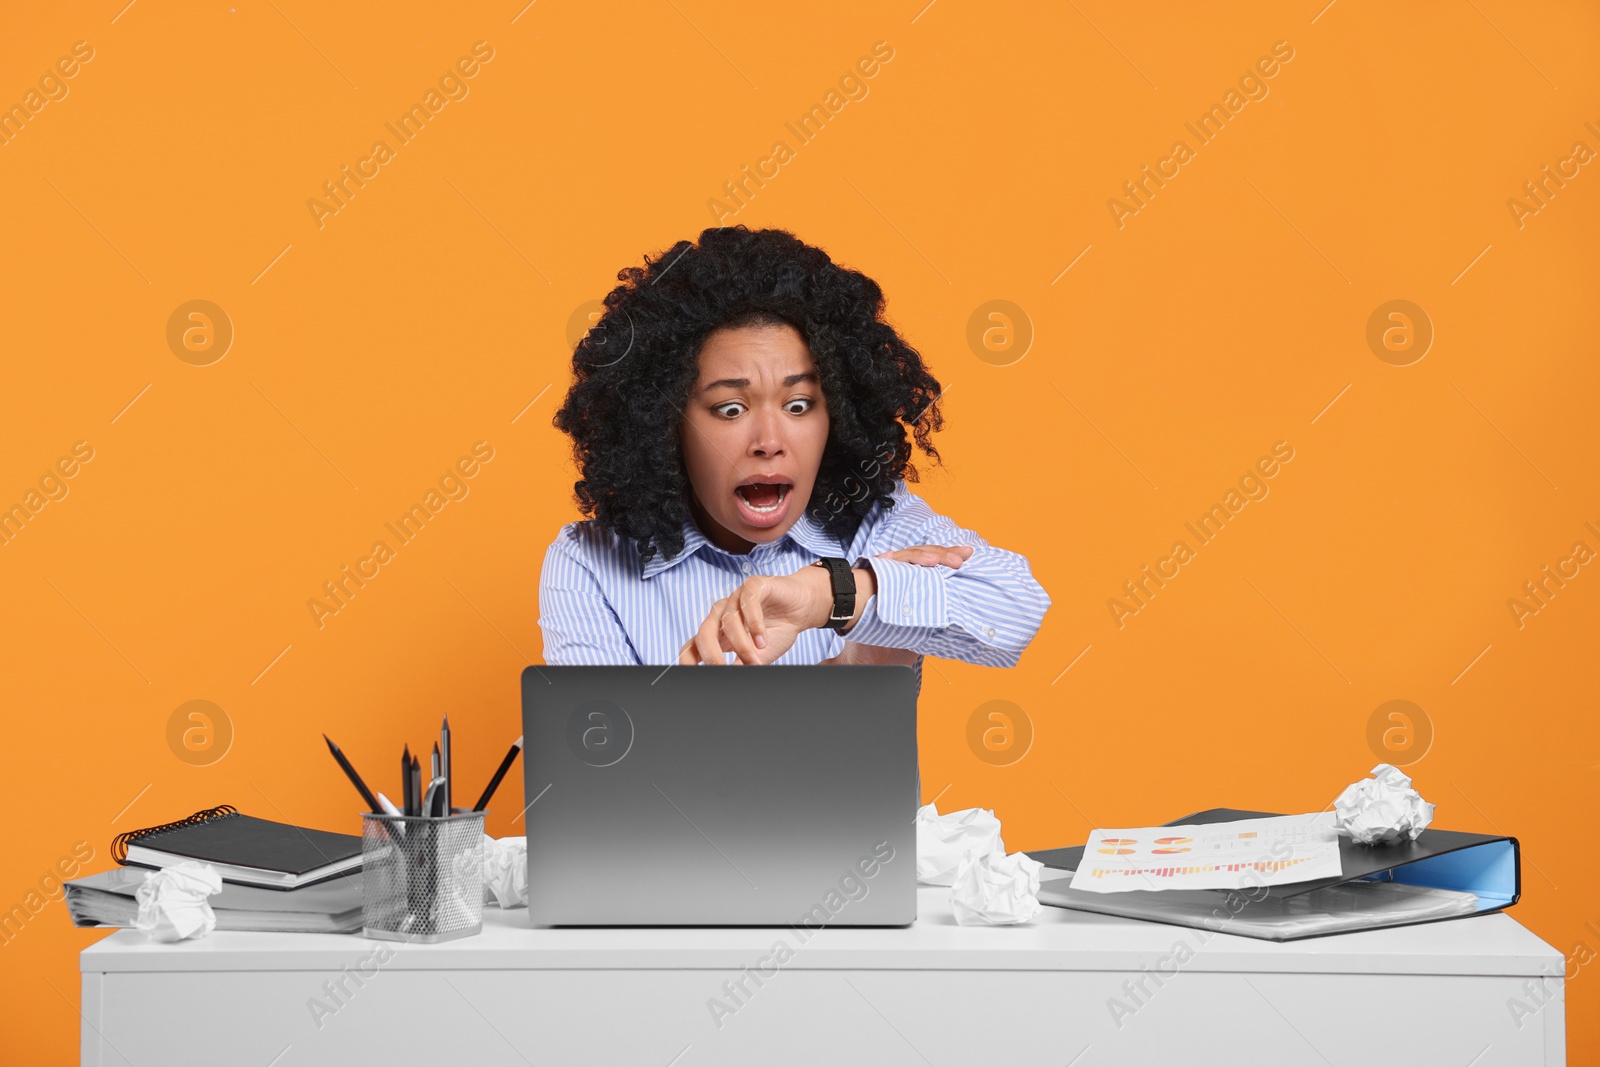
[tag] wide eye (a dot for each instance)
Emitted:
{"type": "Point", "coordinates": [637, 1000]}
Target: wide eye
{"type": "Point", "coordinates": [799, 405]}
{"type": "Point", "coordinates": [731, 410]}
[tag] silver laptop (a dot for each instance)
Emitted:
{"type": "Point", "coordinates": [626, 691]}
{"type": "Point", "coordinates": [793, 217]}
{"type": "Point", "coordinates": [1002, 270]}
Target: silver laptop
{"type": "Point", "coordinates": [713, 796]}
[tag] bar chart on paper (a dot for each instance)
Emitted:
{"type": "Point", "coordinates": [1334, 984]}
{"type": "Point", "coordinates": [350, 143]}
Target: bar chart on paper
{"type": "Point", "coordinates": [1225, 855]}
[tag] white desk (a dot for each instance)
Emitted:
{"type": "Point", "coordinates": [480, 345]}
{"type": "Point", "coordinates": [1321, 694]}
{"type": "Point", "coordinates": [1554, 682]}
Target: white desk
{"type": "Point", "coordinates": [934, 993]}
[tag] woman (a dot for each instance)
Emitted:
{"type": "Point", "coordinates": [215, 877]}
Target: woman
{"type": "Point", "coordinates": [739, 420]}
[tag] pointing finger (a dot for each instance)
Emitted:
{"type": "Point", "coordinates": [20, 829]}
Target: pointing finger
{"type": "Point", "coordinates": [754, 616]}
{"type": "Point", "coordinates": [708, 639]}
{"type": "Point", "coordinates": [735, 634]}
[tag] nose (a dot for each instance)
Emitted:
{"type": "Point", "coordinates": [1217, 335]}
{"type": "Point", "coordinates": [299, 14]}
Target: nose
{"type": "Point", "coordinates": [766, 435]}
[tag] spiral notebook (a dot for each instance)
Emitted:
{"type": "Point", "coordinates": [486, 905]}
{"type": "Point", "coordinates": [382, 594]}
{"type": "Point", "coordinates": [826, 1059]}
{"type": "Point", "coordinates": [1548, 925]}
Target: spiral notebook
{"type": "Point", "coordinates": [243, 849]}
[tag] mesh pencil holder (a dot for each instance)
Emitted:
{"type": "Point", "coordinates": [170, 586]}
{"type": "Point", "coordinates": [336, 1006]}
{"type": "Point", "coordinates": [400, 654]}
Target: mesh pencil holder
{"type": "Point", "coordinates": [422, 878]}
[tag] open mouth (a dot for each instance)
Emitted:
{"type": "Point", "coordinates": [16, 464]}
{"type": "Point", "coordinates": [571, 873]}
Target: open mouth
{"type": "Point", "coordinates": [763, 502]}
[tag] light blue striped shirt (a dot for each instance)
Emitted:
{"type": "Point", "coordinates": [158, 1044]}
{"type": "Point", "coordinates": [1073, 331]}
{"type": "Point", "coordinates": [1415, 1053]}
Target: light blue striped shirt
{"type": "Point", "coordinates": [600, 603]}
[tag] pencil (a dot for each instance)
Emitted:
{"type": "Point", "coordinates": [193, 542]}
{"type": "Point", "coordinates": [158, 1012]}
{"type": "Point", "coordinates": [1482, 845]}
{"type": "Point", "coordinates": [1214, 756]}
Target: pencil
{"type": "Point", "coordinates": [355, 779]}
{"type": "Point", "coordinates": [494, 783]}
{"type": "Point", "coordinates": [405, 780]}
{"type": "Point", "coordinates": [444, 761]}
{"type": "Point", "coordinates": [416, 785]}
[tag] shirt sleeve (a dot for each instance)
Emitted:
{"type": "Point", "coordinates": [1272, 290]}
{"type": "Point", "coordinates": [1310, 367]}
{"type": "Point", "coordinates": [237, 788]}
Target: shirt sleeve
{"type": "Point", "coordinates": [578, 622]}
{"type": "Point", "coordinates": [985, 611]}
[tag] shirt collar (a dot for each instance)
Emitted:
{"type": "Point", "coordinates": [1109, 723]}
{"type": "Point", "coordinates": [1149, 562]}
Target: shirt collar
{"type": "Point", "coordinates": [806, 533]}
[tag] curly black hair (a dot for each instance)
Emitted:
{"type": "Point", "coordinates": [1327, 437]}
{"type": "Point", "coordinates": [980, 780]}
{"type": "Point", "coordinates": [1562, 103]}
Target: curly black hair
{"type": "Point", "coordinates": [634, 368]}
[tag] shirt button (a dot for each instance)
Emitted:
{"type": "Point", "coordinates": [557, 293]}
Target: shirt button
{"type": "Point", "coordinates": [745, 566]}
{"type": "Point", "coordinates": [905, 609]}
{"type": "Point", "coordinates": [989, 631]}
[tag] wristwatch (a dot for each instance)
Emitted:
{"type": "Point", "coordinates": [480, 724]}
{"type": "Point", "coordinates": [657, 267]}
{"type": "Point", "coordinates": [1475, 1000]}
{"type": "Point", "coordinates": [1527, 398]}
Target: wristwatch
{"type": "Point", "coordinates": [844, 591]}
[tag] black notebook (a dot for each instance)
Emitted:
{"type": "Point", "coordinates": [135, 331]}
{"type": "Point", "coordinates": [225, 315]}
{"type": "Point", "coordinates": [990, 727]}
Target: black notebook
{"type": "Point", "coordinates": [243, 849]}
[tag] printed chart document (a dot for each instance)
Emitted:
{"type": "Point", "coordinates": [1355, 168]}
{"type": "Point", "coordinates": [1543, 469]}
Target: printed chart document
{"type": "Point", "coordinates": [1221, 855]}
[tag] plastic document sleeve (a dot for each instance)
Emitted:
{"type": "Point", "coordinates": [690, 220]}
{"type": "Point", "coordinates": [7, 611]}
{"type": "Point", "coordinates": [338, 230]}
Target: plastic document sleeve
{"type": "Point", "coordinates": [1444, 874]}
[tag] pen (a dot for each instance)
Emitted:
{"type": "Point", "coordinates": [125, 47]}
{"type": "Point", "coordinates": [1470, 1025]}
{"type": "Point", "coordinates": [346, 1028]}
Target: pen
{"type": "Point", "coordinates": [395, 832]}
{"type": "Point", "coordinates": [431, 796]}
{"type": "Point", "coordinates": [494, 783]}
{"type": "Point", "coordinates": [444, 762]}
{"type": "Point", "coordinates": [355, 779]}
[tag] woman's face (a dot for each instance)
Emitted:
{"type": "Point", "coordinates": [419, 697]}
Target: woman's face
{"type": "Point", "coordinates": [753, 434]}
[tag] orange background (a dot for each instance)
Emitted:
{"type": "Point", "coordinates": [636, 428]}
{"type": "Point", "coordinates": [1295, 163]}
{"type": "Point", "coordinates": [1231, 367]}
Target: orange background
{"type": "Point", "coordinates": [1228, 314]}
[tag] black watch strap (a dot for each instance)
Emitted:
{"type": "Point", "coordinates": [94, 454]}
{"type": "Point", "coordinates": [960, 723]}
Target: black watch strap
{"type": "Point", "coordinates": [844, 591]}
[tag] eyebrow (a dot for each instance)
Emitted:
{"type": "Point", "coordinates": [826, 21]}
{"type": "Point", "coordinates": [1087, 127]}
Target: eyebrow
{"type": "Point", "coordinates": [744, 383]}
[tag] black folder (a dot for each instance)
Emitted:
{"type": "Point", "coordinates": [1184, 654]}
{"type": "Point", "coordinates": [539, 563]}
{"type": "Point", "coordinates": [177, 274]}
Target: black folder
{"type": "Point", "coordinates": [1485, 865]}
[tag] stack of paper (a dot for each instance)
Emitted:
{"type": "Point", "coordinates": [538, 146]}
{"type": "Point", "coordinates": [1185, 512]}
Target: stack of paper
{"type": "Point", "coordinates": [1360, 904]}
{"type": "Point", "coordinates": [330, 907]}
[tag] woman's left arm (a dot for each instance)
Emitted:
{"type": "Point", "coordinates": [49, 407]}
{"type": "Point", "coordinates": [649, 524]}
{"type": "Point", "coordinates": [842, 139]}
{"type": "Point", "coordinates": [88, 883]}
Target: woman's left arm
{"type": "Point", "coordinates": [984, 611]}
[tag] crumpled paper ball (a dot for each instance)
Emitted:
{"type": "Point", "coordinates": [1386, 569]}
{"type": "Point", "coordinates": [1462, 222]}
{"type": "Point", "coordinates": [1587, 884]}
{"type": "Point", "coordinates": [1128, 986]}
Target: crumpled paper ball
{"type": "Point", "coordinates": [1383, 809]}
{"type": "Point", "coordinates": [994, 889]}
{"type": "Point", "coordinates": [172, 902]}
{"type": "Point", "coordinates": [943, 841]}
{"type": "Point", "coordinates": [505, 870]}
